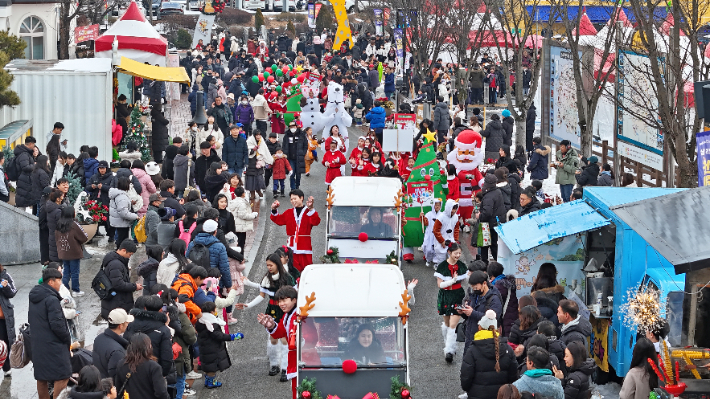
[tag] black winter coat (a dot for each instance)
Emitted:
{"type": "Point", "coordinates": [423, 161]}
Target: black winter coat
{"type": "Point", "coordinates": [7, 293]}
{"type": "Point", "coordinates": [149, 271]}
{"type": "Point", "coordinates": [492, 207]}
{"type": "Point", "coordinates": [519, 337]}
{"type": "Point", "coordinates": [170, 154]}
{"type": "Point", "coordinates": [160, 130]}
{"type": "Point", "coordinates": [504, 286]}
{"type": "Point", "coordinates": [515, 189]}
{"type": "Point", "coordinates": [478, 375]}
{"type": "Point", "coordinates": [578, 332]}
{"type": "Point", "coordinates": [508, 123]}
{"type": "Point", "coordinates": [557, 348]}
{"type": "Point", "coordinates": [548, 300]}
{"type": "Point", "coordinates": [54, 211]}
{"type": "Point", "coordinates": [25, 162]}
{"type": "Point", "coordinates": [40, 180]}
{"type": "Point", "coordinates": [588, 177]}
{"type": "Point", "coordinates": [576, 383]}
{"type": "Point", "coordinates": [213, 348]}
{"type": "Point", "coordinates": [109, 351]}
{"type": "Point", "coordinates": [172, 202]}
{"type": "Point", "coordinates": [116, 268]}
{"type": "Point", "coordinates": [491, 300]}
{"type": "Point", "coordinates": [495, 136]}
{"type": "Point", "coordinates": [539, 162]}
{"type": "Point", "coordinates": [145, 383]}
{"type": "Point", "coordinates": [202, 165]}
{"type": "Point", "coordinates": [101, 194]}
{"type": "Point", "coordinates": [532, 206]}
{"type": "Point", "coordinates": [152, 324]}
{"type": "Point", "coordinates": [295, 146]}
{"type": "Point", "coordinates": [50, 338]}
{"type": "Point", "coordinates": [78, 170]}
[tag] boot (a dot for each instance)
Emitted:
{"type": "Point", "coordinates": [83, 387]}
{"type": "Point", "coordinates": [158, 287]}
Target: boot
{"type": "Point", "coordinates": [284, 359]}
{"type": "Point", "coordinates": [260, 194]}
{"type": "Point", "coordinates": [282, 192]}
{"type": "Point", "coordinates": [273, 351]}
{"type": "Point", "coordinates": [276, 194]}
{"type": "Point", "coordinates": [211, 383]}
{"type": "Point", "coordinates": [284, 378]}
{"type": "Point", "coordinates": [450, 349]}
{"type": "Point", "coordinates": [251, 196]}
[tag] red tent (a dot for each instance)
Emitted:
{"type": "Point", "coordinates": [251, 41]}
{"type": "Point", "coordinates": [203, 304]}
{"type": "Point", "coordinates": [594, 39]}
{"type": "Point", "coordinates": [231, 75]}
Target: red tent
{"type": "Point", "coordinates": [667, 24]}
{"type": "Point", "coordinates": [586, 28]}
{"type": "Point", "coordinates": [137, 39]}
{"type": "Point", "coordinates": [491, 39]}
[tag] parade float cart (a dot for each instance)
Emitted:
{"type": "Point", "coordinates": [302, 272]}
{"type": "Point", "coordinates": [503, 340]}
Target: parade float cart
{"type": "Point", "coordinates": [363, 219]}
{"type": "Point", "coordinates": [336, 301]}
{"type": "Point", "coordinates": [603, 262]}
{"type": "Point", "coordinates": [74, 92]}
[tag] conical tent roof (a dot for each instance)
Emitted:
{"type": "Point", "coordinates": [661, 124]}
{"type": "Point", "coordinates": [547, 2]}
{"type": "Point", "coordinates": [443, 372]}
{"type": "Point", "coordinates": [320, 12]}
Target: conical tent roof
{"type": "Point", "coordinates": [137, 39]}
{"type": "Point", "coordinates": [586, 28]}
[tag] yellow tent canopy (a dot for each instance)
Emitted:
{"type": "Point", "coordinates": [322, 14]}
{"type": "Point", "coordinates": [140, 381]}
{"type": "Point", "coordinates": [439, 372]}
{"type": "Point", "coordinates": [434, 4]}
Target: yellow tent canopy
{"type": "Point", "coordinates": [164, 74]}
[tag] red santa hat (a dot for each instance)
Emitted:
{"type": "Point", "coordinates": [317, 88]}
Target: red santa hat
{"type": "Point", "coordinates": [468, 140]}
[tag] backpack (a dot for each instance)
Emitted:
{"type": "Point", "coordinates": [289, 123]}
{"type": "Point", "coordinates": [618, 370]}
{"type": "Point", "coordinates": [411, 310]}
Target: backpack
{"type": "Point", "coordinates": [139, 231]}
{"type": "Point", "coordinates": [11, 170]}
{"type": "Point", "coordinates": [186, 234]}
{"type": "Point", "coordinates": [200, 255]}
{"type": "Point", "coordinates": [21, 351]}
{"type": "Point", "coordinates": [102, 284]}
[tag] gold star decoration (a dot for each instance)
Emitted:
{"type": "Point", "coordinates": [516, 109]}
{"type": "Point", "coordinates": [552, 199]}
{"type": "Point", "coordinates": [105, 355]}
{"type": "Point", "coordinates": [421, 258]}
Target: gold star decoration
{"type": "Point", "coordinates": [430, 136]}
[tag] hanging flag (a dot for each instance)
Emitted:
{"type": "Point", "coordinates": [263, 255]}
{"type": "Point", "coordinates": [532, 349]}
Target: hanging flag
{"type": "Point", "coordinates": [702, 142]}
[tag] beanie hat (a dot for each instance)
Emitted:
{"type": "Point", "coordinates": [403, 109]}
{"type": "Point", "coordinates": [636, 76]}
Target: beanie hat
{"type": "Point", "coordinates": [489, 319]}
{"type": "Point", "coordinates": [505, 113]}
{"type": "Point", "coordinates": [490, 181]}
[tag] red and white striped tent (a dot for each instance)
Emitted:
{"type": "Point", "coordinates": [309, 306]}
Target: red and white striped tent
{"type": "Point", "coordinates": [137, 39]}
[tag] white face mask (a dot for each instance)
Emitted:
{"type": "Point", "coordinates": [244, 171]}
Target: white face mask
{"type": "Point", "coordinates": [292, 130]}
{"type": "Point", "coordinates": [245, 102]}
{"type": "Point", "coordinates": [194, 128]}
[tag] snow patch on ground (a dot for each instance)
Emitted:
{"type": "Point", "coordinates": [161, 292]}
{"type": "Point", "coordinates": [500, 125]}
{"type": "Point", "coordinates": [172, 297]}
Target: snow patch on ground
{"type": "Point", "coordinates": [608, 391]}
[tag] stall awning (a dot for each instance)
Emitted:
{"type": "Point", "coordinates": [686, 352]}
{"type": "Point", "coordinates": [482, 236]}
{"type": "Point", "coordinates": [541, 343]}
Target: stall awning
{"type": "Point", "coordinates": [675, 225]}
{"type": "Point", "coordinates": [163, 74]}
{"type": "Point", "coordinates": [543, 226]}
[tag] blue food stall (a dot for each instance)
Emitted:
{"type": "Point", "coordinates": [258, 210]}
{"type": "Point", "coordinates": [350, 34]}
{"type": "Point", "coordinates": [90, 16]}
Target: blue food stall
{"type": "Point", "coordinates": [596, 243]}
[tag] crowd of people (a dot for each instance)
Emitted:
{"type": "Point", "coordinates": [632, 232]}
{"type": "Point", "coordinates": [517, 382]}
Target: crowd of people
{"type": "Point", "coordinates": [193, 204]}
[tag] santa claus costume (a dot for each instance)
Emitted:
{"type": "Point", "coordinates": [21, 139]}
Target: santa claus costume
{"type": "Point", "coordinates": [299, 222]}
{"type": "Point", "coordinates": [333, 160]}
{"type": "Point", "coordinates": [278, 107]}
{"type": "Point", "coordinates": [286, 328]}
{"type": "Point", "coordinates": [466, 157]}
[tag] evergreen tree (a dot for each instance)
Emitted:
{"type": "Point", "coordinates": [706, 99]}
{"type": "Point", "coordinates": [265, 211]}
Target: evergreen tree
{"type": "Point", "coordinates": [135, 134]}
{"type": "Point", "coordinates": [259, 21]}
{"type": "Point", "coordinates": [11, 47]}
{"type": "Point", "coordinates": [425, 173]}
{"type": "Point", "coordinates": [325, 18]}
{"type": "Point", "coordinates": [74, 187]}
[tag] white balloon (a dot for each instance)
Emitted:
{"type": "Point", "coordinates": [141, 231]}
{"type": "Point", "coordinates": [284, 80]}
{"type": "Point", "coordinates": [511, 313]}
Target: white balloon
{"type": "Point", "coordinates": [294, 81]}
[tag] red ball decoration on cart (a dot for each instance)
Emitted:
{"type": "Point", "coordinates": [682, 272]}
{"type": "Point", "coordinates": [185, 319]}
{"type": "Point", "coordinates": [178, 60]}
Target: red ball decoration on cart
{"type": "Point", "coordinates": [349, 366]}
{"type": "Point", "coordinates": [306, 395]}
{"type": "Point", "coordinates": [362, 237]}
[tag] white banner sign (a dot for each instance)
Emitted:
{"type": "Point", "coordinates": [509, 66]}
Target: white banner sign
{"type": "Point", "coordinates": [203, 30]}
{"type": "Point", "coordinates": [397, 140]}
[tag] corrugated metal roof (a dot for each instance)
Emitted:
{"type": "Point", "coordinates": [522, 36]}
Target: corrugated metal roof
{"type": "Point", "coordinates": [675, 225]}
{"type": "Point", "coordinates": [543, 226]}
{"type": "Point", "coordinates": [613, 196]}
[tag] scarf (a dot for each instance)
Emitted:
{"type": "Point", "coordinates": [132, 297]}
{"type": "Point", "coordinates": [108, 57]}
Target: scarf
{"type": "Point", "coordinates": [570, 324]}
{"type": "Point", "coordinates": [535, 373]}
{"type": "Point", "coordinates": [208, 319]}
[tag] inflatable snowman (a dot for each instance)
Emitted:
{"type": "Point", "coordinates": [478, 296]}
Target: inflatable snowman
{"type": "Point", "coordinates": [310, 109]}
{"type": "Point", "coordinates": [336, 110]}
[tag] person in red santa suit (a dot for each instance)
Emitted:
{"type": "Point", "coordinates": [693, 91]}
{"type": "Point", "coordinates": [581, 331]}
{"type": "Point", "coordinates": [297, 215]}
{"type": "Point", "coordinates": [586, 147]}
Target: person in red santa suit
{"type": "Point", "coordinates": [277, 104]}
{"type": "Point", "coordinates": [333, 160]}
{"type": "Point", "coordinates": [287, 298]}
{"type": "Point", "coordinates": [356, 155]}
{"type": "Point", "coordinates": [299, 222]}
{"type": "Point", "coordinates": [466, 157]}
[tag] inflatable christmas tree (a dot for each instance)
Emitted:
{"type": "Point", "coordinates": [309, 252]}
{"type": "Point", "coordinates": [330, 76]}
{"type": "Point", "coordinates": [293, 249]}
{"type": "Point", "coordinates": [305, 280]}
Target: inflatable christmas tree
{"type": "Point", "coordinates": [135, 134]}
{"type": "Point", "coordinates": [424, 184]}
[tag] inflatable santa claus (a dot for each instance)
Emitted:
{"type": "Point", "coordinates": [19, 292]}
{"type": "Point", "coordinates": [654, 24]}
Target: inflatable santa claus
{"type": "Point", "coordinates": [466, 156]}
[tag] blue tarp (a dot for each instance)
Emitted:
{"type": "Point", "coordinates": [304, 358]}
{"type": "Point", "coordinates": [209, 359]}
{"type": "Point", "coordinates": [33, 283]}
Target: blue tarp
{"type": "Point", "coordinates": [543, 226]}
{"type": "Point", "coordinates": [613, 196]}
{"type": "Point", "coordinates": [596, 14]}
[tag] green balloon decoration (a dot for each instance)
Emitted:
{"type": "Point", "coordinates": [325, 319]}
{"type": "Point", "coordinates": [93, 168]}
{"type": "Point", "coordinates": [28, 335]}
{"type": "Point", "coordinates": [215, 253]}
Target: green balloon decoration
{"type": "Point", "coordinates": [290, 67]}
{"type": "Point", "coordinates": [266, 75]}
{"type": "Point", "coordinates": [278, 89]}
{"type": "Point", "coordinates": [279, 73]}
{"type": "Point", "coordinates": [274, 67]}
{"type": "Point", "coordinates": [255, 79]}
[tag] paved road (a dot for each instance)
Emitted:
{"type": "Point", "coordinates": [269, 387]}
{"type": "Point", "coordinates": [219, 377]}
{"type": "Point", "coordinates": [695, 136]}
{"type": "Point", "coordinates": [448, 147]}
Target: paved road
{"type": "Point", "coordinates": [247, 378]}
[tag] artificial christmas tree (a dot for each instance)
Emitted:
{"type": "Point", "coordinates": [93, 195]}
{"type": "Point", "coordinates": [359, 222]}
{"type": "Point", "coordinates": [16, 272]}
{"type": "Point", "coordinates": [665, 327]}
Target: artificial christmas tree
{"type": "Point", "coordinates": [136, 134]}
{"type": "Point", "coordinates": [424, 184]}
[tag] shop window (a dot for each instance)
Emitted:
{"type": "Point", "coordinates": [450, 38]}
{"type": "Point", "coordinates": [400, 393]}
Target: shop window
{"type": "Point", "coordinates": [32, 32]}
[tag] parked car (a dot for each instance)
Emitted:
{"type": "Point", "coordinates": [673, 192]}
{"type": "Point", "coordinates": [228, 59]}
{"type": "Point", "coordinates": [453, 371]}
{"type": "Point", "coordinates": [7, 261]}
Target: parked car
{"type": "Point", "coordinates": [171, 8]}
